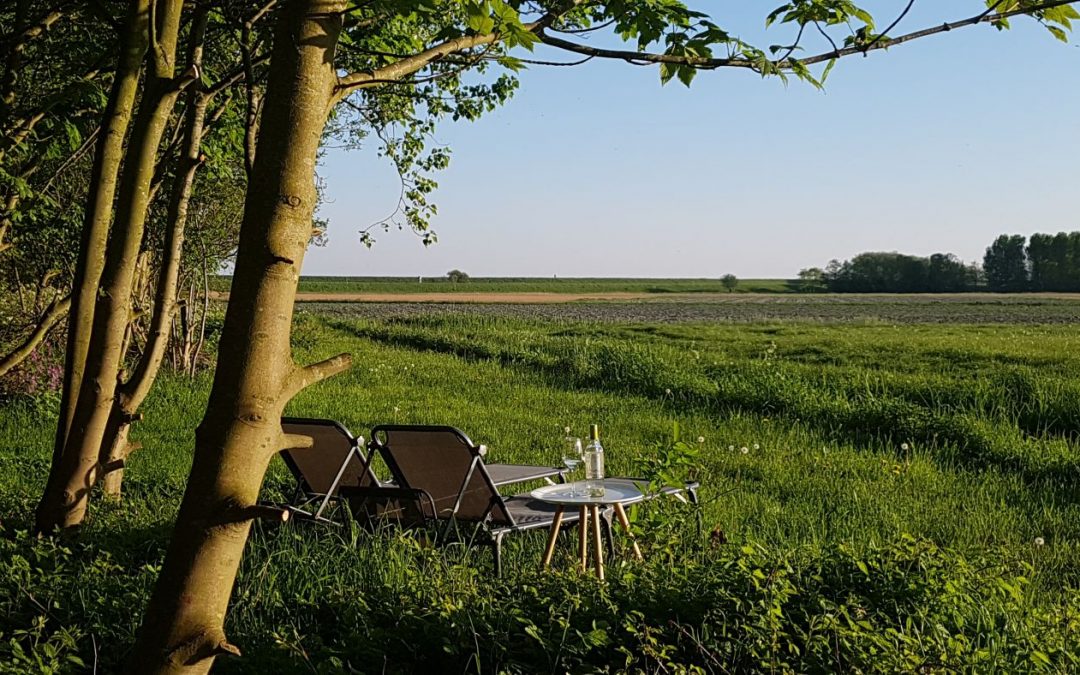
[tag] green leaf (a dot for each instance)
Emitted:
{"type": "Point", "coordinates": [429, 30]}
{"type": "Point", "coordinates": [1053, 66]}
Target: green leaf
{"type": "Point", "coordinates": [1058, 33]}
{"type": "Point", "coordinates": [687, 74]}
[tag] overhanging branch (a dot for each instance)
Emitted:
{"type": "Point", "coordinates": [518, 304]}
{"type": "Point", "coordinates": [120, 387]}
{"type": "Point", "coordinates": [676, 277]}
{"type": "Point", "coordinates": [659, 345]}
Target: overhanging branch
{"type": "Point", "coordinates": [708, 63]}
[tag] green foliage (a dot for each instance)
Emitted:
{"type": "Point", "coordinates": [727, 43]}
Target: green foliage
{"type": "Point", "coordinates": [1005, 264]}
{"type": "Point", "coordinates": [826, 546]}
{"type": "Point", "coordinates": [811, 280]}
{"type": "Point", "coordinates": [899, 273]}
{"type": "Point", "coordinates": [730, 282]}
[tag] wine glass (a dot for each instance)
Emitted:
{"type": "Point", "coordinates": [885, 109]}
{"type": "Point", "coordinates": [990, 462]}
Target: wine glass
{"type": "Point", "coordinates": [571, 457]}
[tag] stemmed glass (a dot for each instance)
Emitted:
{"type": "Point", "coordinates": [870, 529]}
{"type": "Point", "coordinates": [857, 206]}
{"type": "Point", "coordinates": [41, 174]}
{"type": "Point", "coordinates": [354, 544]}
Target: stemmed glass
{"type": "Point", "coordinates": [571, 457]}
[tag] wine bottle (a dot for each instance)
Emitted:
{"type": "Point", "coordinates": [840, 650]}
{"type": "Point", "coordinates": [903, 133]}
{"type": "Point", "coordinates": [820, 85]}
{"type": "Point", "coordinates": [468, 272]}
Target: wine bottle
{"type": "Point", "coordinates": [594, 464]}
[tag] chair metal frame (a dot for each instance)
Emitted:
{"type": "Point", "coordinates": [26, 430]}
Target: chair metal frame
{"type": "Point", "coordinates": [489, 534]}
{"type": "Point", "coordinates": [304, 495]}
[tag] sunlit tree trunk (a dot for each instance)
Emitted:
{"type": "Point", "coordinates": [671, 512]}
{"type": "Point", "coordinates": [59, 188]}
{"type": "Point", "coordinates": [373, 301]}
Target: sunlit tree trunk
{"type": "Point", "coordinates": [77, 468]}
{"type": "Point", "coordinates": [183, 629]}
{"type": "Point", "coordinates": [91, 260]}
{"type": "Point", "coordinates": [114, 446]}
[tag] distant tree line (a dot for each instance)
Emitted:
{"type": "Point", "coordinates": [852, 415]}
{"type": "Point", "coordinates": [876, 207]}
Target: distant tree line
{"type": "Point", "coordinates": [1045, 262]}
{"type": "Point", "coordinates": [877, 272]}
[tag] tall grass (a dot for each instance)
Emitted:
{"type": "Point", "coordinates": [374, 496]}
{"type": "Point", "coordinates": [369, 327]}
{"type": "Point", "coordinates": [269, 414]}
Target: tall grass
{"type": "Point", "coordinates": [875, 498]}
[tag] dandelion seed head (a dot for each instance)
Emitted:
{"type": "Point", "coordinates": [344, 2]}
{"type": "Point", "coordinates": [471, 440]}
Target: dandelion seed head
{"type": "Point", "coordinates": [700, 439]}
{"type": "Point", "coordinates": [566, 430]}
{"type": "Point", "coordinates": [756, 446]}
{"type": "Point", "coordinates": [744, 450]}
{"type": "Point", "coordinates": [1039, 541]}
{"type": "Point", "coordinates": [904, 446]}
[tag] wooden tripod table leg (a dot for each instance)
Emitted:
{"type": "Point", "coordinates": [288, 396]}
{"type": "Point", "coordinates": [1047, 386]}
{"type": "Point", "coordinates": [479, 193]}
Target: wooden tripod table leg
{"type": "Point", "coordinates": [583, 538]}
{"type": "Point", "coordinates": [620, 513]}
{"type": "Point", "coordinates": [550, 550]}
{"type": "Point", "coordinates": [598, 554]}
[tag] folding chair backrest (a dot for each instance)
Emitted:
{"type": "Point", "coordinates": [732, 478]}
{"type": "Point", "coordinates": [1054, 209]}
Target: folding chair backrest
{"type": "Point", "coordinates": [317, 467]}
{"type": "Point", "coordinates": [443, 462]}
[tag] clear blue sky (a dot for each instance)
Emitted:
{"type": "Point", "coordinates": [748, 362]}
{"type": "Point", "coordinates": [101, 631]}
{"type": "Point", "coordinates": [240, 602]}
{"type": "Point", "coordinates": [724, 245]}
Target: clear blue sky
{"type": "Point", "coordinates": [597, 170]}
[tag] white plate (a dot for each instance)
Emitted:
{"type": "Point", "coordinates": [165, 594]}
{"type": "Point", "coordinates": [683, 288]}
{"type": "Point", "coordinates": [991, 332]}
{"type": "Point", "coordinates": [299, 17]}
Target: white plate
{"type": "Point", "coordinates": [615, 491]}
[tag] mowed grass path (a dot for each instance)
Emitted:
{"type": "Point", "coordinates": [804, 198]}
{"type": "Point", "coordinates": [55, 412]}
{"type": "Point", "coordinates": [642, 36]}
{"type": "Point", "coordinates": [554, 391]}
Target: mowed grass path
{"type": "Point", "coordinates": [895, 475]}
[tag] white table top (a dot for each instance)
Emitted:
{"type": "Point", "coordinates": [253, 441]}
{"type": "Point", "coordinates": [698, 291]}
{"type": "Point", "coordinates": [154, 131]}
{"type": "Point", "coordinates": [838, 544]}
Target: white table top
{"type": "Point", "coordinates": [615, 492]}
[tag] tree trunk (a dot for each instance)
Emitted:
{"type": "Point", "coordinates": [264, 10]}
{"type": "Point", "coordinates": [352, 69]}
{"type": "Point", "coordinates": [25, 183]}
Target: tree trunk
{"type": "Point", "coordinates": [78, 467]}
{"type": "Point", "coordinates": [114, 447]}
{"type": "Point", "coordinates": [183, 628]}
{"type": "Point", "coordinates": [103, 178]}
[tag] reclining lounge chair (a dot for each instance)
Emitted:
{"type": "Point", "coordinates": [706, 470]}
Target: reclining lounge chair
{"type": "Point", "coordinates": [334, 460]}
{"type": "Point", "coordinates": [442, 464]}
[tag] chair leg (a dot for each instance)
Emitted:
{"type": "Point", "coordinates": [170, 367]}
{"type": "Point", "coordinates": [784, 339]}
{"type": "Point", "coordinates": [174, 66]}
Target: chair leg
{"type": "Point", "coordinates": [496, 552]}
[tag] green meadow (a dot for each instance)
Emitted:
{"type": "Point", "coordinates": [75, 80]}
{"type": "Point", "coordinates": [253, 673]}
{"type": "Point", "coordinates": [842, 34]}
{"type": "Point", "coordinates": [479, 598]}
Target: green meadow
{"type": "Point", "coordinates": [876, 497]}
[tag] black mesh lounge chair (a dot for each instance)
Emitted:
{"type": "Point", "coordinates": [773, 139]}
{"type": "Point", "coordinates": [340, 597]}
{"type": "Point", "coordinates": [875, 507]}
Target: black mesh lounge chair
{"type": "Point", "coordinates": [441, 463]}
{"type": "Point", "coordinates": [334, 460]}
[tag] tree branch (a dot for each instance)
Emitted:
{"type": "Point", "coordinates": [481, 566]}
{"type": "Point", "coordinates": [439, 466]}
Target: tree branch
{"type": "Point", "coordinates": [316, 372]}
{"type": "Point", "coordinates": [707, 63]}
{"type": "Point", "coordinates": [410, 64]}
{"type": "Point", "coordinates": [56, 311]}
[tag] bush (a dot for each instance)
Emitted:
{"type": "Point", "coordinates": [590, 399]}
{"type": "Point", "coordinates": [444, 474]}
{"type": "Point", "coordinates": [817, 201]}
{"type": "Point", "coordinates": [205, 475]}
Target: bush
{"type": "Point", "coordinates": [456, 276]}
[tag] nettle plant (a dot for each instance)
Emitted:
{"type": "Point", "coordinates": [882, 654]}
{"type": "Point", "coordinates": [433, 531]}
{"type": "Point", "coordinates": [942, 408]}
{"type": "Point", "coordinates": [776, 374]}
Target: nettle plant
{"type": "Point", "coordinates": [662, 522]}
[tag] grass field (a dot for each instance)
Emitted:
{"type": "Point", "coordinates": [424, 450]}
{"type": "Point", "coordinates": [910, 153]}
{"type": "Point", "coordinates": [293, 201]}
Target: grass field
{"type": "Point", "coordinates": [880, 495]}
{"type": "Point", "coordinates": [523, 285]}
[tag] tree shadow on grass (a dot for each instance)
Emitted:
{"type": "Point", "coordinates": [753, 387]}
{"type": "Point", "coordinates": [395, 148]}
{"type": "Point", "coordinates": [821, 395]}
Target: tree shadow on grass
{"type": "Point", "coordinates": [956, 440]}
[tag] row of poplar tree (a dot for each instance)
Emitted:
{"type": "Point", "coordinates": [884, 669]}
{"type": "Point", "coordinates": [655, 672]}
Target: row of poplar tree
{"type": "Point", "coordinates": [1013, 263]}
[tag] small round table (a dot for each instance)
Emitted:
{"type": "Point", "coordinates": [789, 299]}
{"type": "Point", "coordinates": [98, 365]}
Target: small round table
{"type": "Point", "coordinates": [616, 493]}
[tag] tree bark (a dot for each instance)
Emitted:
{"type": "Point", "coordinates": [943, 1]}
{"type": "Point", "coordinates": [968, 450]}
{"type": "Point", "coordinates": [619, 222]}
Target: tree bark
{"type": "Point", "coordinates": [114, 447]}
{"type": "Point", "coordinates": [77, 468]}
{"type": "Point", "coordinates": [56, 311]}
{"type": "Point", "coordinates": [95, 234]}
{"type": "Point", "coordinates": [183, 629]}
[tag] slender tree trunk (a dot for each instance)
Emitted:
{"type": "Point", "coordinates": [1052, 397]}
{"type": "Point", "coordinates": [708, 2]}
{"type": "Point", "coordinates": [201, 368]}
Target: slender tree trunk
{"type": "Point", "coordinates": [77, 468]}
{"type": "Point", "coordinates": [183, 628]}
{"type": "Point", "coordinates": [56, 311]}
{"type": "Point", "coordinates": [115, 445]}
{"type": "Point", "coordinates": [103, 178]}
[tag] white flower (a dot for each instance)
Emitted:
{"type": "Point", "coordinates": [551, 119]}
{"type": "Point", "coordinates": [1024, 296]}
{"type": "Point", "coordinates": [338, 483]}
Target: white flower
{"type": "Point", "coordinates": [904, 446]}
{"type": "Point", "coordinates": [744, 450]}
{"type": "Point", "coordinates": [756, 446]}
{"type": "Point", "coordinates": [1039, 541]}
{"type": "Point", "coordinates": [700, 439]}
